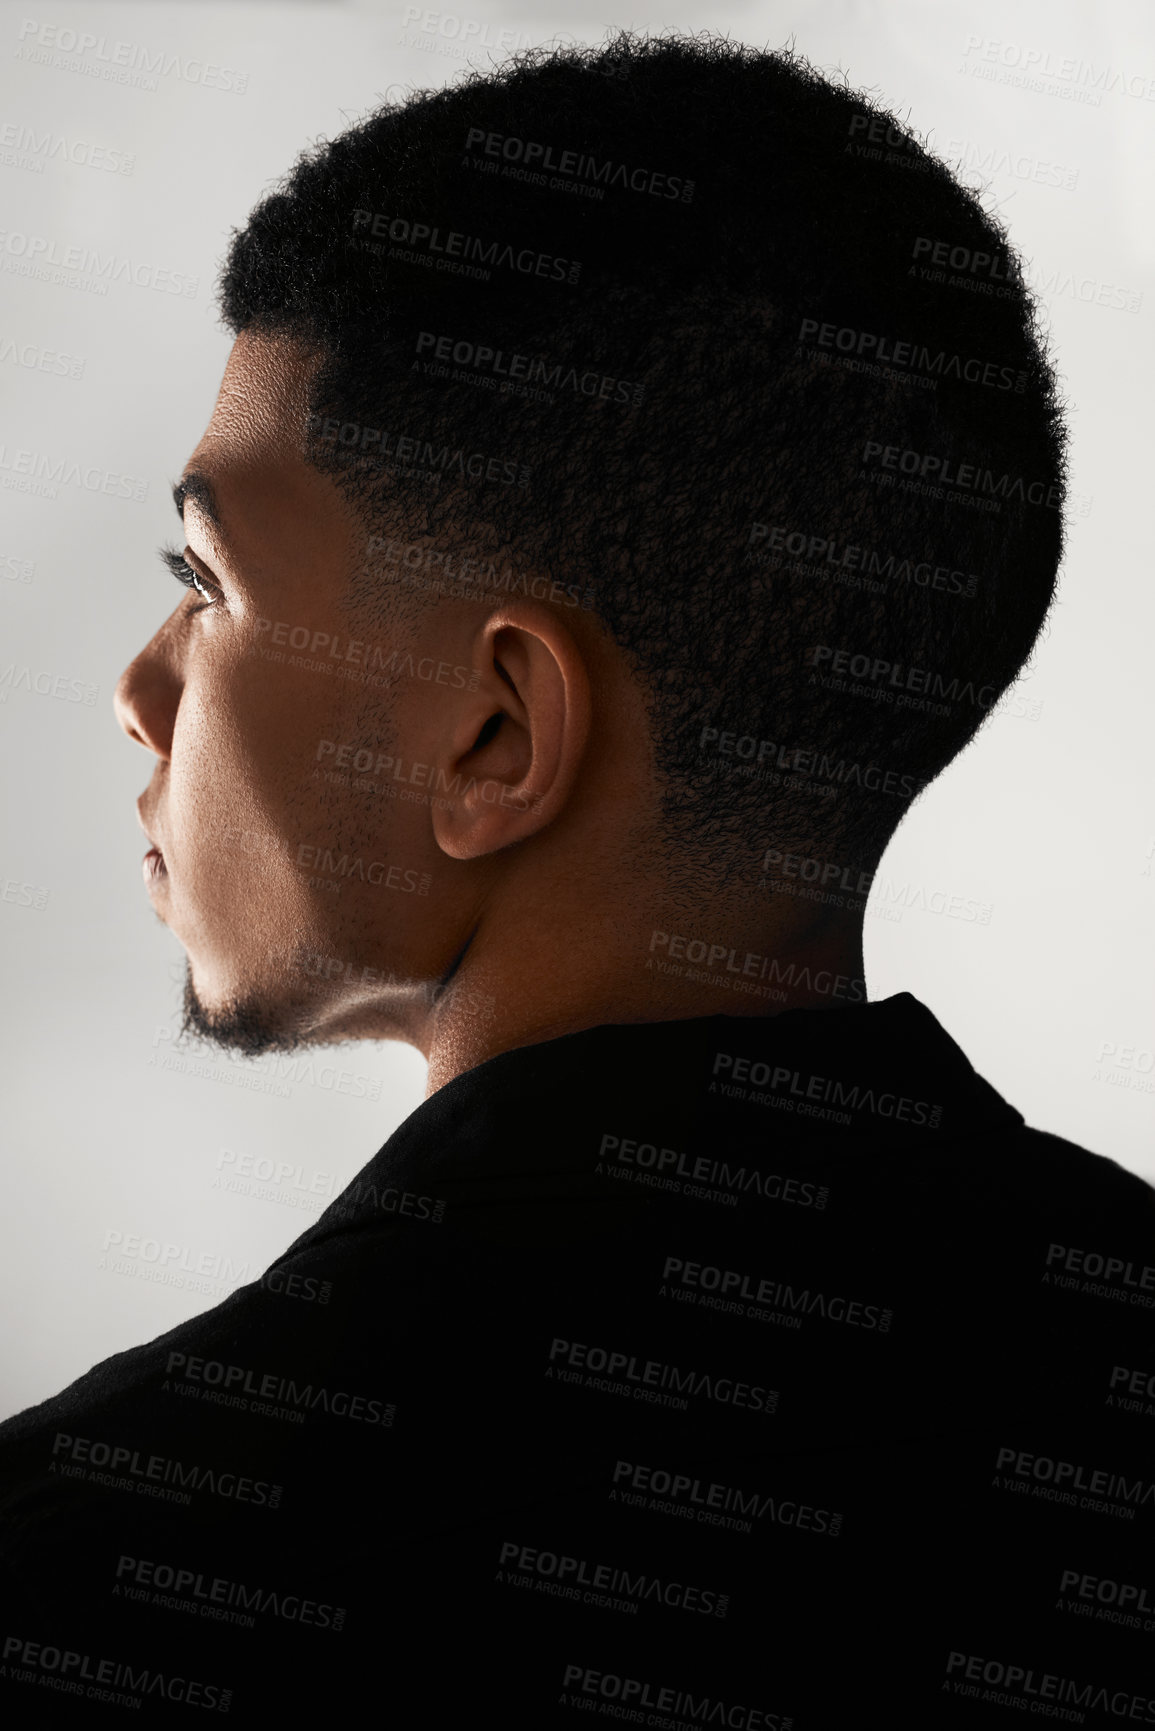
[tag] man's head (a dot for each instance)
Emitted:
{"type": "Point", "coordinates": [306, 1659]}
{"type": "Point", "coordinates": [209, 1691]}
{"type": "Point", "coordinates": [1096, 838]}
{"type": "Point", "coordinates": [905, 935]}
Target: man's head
{"type": "Point", "coordinates": [336, 793]}
{"type": "Point", "coordinates": [598, 430]}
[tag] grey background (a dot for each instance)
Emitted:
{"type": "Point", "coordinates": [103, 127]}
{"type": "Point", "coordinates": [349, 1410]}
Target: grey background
{"type": "Point", "coordinates": [1046, 820]}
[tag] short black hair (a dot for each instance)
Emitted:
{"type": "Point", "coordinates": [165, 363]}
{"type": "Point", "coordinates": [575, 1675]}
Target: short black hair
{"type": "Point", "coordinates": [781, 408]}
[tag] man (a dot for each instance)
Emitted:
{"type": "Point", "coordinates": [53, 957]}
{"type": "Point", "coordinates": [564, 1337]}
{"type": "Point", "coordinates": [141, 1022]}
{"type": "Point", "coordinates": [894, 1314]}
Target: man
{"type": "Point", "coordinates": [622, 498]}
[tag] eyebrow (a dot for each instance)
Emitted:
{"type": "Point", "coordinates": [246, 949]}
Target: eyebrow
{"type": "Point", "coordinates": [196, 488]}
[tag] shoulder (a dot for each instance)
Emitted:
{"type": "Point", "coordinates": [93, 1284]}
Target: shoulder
{"type": "Point", "coordinates": [1040, 1169]}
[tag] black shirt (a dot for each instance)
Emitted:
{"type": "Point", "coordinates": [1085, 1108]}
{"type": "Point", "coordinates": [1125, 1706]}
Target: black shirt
{"type": "Point", "coordinates": [742, 1372]}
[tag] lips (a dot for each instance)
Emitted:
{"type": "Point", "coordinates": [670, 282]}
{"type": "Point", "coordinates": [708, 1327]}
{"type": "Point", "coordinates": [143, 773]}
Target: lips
{"type": "Point", "coordinates": [153, 864]}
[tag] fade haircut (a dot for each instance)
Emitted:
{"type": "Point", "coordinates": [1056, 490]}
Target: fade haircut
{"type": "Point", "coordinates": [818, 504]}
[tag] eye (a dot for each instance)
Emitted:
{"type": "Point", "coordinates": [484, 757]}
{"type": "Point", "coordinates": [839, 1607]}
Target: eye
{"type": "Point", "coordinates": [184, 573]}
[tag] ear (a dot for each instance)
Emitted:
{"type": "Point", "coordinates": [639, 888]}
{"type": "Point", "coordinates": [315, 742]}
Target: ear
{"type": "Point", "coordinates": [512, 757]}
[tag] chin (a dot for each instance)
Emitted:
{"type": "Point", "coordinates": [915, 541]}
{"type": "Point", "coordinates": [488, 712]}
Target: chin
{"type": "Point", "coordinates": [239, 1022]}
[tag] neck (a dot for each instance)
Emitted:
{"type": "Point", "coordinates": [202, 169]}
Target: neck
{"type": "Point", "coordinates": [546, 978]}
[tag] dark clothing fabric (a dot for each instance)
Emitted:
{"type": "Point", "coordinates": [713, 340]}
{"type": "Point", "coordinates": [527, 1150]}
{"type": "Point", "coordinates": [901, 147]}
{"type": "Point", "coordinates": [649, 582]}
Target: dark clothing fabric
{"type": "Point", "coordinates": [742, 1372]}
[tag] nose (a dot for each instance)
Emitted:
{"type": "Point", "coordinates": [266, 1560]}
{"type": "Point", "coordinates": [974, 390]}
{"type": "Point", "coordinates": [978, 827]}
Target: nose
{"type": "Point", "coordinates": [147, 696]}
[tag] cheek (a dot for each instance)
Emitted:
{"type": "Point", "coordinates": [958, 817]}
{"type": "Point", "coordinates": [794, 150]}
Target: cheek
{"type": "Point", "coordinates": [255, 779]}
{"type": "Point", "coordinates": [238, 772]}
{"type": "Point", "coordinates": [264, 724]}
{"type": "Point", "coordinates": [318, 748]}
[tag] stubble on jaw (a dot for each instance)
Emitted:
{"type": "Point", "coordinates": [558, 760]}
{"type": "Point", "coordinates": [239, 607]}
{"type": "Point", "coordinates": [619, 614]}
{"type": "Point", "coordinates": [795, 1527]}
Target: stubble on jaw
{"type": "Point", "coordinates": [242, 1025]}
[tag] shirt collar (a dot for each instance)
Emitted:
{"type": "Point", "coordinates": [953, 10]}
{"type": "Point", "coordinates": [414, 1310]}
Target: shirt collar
{"type": "Point", "coordinates": [882, 1076]}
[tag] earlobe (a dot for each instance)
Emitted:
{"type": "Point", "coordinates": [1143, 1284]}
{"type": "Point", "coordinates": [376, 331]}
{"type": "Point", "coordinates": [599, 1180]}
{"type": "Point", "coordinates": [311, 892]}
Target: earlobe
{"type": "Point", "coordinates": [491, 804]}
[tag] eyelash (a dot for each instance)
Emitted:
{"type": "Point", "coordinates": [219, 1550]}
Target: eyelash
{"type": "Point", "coordinates": [184, 573]}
